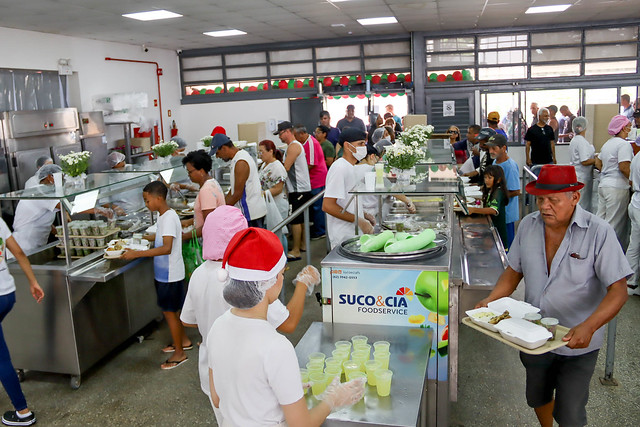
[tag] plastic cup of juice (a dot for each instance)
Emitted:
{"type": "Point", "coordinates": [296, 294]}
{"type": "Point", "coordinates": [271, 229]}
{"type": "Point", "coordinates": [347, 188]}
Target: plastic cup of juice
{"type": "Point", "coordinates": [362, 347]}
{"type": "Point", "coordinates": [340, 355]}
{"type": "Point", "coordinates": [318, 383]}
{"type": "Point", "coordinates": [332, 362]}
{"type": "Point", "coordinates": [360, 357]}
{"type": "Point", "coordinates": [332, 372]}
{"type": "Point", "coordinates": [372, 366]}
{"type": "Point", "coordinates": [350, 366]}
{"type": "Point", "coordinates": [315, 367]}
{"type": "Point", "coordinates": [343, 345]}
{"type": "Point", "coordinates": [356, 374]}
{"type": "Point", "coordinates": [383, 382]}
{"type": "Point", "coordinates": [383, 358]}
{"type": "Point", "coordinates": [317, 356]}
{"type": "Point", "coordinates": [359, 339]}
{"type": "Point", "coordinates": [381, 345]}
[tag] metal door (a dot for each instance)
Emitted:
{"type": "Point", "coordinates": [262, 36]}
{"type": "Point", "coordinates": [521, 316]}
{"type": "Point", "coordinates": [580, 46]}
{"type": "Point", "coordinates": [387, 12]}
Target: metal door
{"type": "Point", "coordinates": [305, 111]}
{"type": "Point", "coordinates": [98, 147]}
{"type": "Point", "coordinates": [24, 164]}
{"type": "Point", "coordinates": [450, 108]}
{"type": "Point", "coordinates": [64, 149]}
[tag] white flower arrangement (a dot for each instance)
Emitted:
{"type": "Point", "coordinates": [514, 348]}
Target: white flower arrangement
{"type": "Point", "coordinates": [74, 163]}
{"type": "Point", "coordinates": [402, 156]}
{"type": "Point", "coordinates": [164, 149]}
{"type": "Point", "coordinates": [416, 136]}
{"type": "Point", "coordinates": [206, 140]}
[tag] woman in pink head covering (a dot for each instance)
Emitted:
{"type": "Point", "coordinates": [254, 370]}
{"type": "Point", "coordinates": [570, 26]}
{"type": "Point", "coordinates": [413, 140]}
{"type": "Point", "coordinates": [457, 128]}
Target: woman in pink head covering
{"type": "Point", "coordinates": [204, 302]}
{"type": "Point", "coordinates": [614, 163]}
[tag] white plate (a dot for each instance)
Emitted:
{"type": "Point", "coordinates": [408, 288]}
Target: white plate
{"type": "Point", "coordinates": [112, 254]}
{"type": "Point", "coordinates": [515, 308]}
{"type": "Point", "coordinates": [524, 333]}
{"type": "Point", "coordinates": [484, 322]}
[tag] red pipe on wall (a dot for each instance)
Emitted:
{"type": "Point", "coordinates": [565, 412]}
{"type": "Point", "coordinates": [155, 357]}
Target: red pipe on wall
{"type": "Point", "coordinates": [158, 74]}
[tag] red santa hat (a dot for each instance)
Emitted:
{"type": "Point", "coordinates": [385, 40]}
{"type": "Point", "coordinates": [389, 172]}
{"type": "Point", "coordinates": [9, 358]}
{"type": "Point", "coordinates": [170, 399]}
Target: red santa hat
{"type": "Point", "coordinates": [253, 254]}
{"type": "Point", "coordinates": [218, 129]}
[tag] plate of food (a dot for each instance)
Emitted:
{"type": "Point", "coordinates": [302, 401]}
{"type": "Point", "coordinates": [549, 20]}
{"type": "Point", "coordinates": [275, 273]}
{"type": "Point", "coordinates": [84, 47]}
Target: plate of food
{"type": "Point", "coordinates": [186, 212]}
{"type": "Point", "coordinates": [113, 253]}
{"type": "Point", "coordinates": [487, 318]}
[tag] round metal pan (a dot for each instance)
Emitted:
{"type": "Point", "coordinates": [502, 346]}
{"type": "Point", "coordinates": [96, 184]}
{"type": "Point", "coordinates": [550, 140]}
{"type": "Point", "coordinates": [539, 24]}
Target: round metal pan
{"type": "Point", "coordinates": [351, 249]}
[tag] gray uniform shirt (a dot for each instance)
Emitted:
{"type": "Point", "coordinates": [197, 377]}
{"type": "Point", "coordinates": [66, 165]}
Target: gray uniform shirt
{"type": "Point", "coordinates": [588, 261]}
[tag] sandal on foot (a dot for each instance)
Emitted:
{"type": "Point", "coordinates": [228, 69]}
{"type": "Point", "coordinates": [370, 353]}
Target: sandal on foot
{"type": "Point", "coordinates": [171, 364]}
{"type": "Point", "coordinates": [170, 348]}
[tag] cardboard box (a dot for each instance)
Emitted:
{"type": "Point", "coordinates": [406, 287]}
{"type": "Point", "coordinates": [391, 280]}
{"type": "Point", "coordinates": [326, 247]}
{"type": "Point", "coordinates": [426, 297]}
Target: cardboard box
{"type": "Point", "coordinates": [252, 132]}
{"type": "Point", "coordinates": [414, 119]}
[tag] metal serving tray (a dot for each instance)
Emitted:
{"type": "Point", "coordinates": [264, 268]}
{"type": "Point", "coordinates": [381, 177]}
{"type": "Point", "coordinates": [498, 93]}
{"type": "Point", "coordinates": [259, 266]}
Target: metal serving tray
{"type": "Point", "coordinates": [351, 249]}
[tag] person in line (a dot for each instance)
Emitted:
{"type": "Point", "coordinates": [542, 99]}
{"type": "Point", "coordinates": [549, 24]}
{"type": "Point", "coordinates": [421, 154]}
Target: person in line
{"type": "Point", "coordinates": [454, 136]}
{"type": "Point", "coordinates": [565, 123]}
{"type": "Point", "coordinates": [614, 163]}
{"type": "Point", "coordinates": [21, 415]}
{"type": "Point", "coordinates": [633, 250]}
{"type": "Point", "coordinates": [469, 142]}
{"type": "Point", "coordinates": [338, 203]}
{"type": "Point", "coordinates": [634, 135]}
{"type": "Point", "coordinates": [317, 177]}
{"type": "Point", "coordinates": [626, 107]}
{"type": "Point", "coordinates": [389, 110]}
{"type": "Point", "coordinates": [390, 121]}
{"type": "Point", "coordinates": [245, 192]}
{"type": "Point", "coordinates": [168, 269]}
{"type": "Point", "coordinates": [498, 151]}
{"type": "Point", "coordinates": [210, 195]}
{"type": "Point", "coordinates": [553, 122]}
{"type": "Point", "coordinates": [481, 150]}
{"type": "Point", "coordinates": [205, 302]}
{"type": "Point", "coordinates": [494, 200]}
{"type": "Point", "coordinates": [298, 184]}
{"type": "Point", "coordinates": [34, 180]}
{"type": "Point", "coordinates": [333, 135]}
{"type": "Point", "coordinates": [493, 120]}
{"type": "Point", "coordinates": [583, 159]}
{"type": "Point", "coordinates": [328, 149]}
{"type": "Point", "coordinates": [375, 121]}
{"type": "Point", "coordinates": [574, 270]}
{"type": "Point", "coordinates": [350, 120]}
{"type": "Point", "coordinates": [540, 143]}
{"type": "Point", "coordinates": [254, 375]}
{"type": "Point", "coordinates": [273, 177]}
{"type": "Point", "coordinates": [534, 111]}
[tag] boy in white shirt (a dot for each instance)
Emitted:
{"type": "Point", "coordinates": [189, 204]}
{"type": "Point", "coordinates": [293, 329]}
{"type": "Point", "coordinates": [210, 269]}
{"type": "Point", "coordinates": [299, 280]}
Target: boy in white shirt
{"type": "Point", "coordinates": [168, 269]}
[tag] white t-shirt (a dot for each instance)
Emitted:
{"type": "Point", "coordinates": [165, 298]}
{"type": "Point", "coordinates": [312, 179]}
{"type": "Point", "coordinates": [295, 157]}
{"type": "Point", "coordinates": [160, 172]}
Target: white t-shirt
{"type": "Point", "coordinates": [32, 222]}
{"type": "Point", "coordinates": [32, 182]}
{"type": "Point", "coordinates": [613, 152]}
{"type": "Point", "coordinates": [368, 204]}
{"type": "Point", "coordinates": [634, 177]}
{"type": "Point", "coordinates": [581, 151]}
{"type": "Point", "coordinates": [7, 285]}
{"type": "Point", "coordinates": [169, 268]}
{"type": "Point", "coordinates": [340, 179]}
{"type": "Point", "coordinates": [251, 202]}
{"type": "Point", "coordinates": [255, 371]}
{"type": "Point", "coordinates": [204, 303]}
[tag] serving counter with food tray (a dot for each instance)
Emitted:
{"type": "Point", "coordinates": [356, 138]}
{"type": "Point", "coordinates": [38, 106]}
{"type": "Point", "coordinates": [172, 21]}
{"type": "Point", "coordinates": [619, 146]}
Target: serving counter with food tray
{"type": "Point", "coordinates": [91, 305]}
{"type": "Point", "coordinates": [422, 288]}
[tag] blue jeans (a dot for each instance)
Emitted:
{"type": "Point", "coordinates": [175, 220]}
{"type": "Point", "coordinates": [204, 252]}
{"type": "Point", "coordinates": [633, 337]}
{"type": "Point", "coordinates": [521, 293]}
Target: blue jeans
{"type": "Point", "coordinates": [317, 215]}
{"type": "Point", "coordinates": [511, 234]}
{"type": "Point", "coordinates": [8, 374]}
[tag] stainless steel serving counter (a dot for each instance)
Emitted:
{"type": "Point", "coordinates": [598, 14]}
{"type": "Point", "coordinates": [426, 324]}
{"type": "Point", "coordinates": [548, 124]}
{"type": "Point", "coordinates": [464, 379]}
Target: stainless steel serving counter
{"type": "Point", "coordinates": [410, 349]}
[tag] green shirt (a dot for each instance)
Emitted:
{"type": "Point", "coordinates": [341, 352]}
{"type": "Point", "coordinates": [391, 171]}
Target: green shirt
{"type": "Point", "coordinates": [328, 149]}
{"type": "Point", "coordinates": [498, 202]}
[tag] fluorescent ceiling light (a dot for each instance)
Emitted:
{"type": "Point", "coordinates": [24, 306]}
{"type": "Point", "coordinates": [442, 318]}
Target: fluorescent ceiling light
{"type": "Point", "coordinates": [152, 15]}
{"type": "Point", "coordinates": [224, 33]}
{"type": "Point", "coordinates": [378, 21]}
{"type": "Point", "coordinates": [548, 9]}
{"type": "Point", "coordinates": [337, 25]}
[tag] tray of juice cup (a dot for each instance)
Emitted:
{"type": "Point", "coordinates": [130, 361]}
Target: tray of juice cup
{"type": "Point", "coordinates": [350, 360]}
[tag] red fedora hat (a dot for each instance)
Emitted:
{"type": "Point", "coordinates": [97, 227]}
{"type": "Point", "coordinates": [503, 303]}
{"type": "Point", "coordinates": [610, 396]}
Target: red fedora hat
{"type": "Point", "coordinates": [554, 179]}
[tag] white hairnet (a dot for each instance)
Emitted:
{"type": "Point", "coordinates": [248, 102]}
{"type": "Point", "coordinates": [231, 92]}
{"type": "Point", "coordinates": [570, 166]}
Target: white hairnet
{"type": "Point", "coordinates": [114, 158]}
{"type": "Point", "coordinates": [42, 160]}
{"type": "Point", "coordinates": [246, 294]}
{"type": "Point", "coordinates": [181, 142]}
{"type": "Point", "coordinates": [579, 124]}
{"type": "Point", "coordinates": [47, 170]}
{"type": "Point", "coordinates": [377, 135]}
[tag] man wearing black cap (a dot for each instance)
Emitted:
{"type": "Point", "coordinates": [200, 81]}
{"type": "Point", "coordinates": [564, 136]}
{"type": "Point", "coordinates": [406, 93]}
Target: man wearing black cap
{"type": "Point", "coordinates": [350, 120]}
{"type": "Point", "coordinates": [298, 183]}
{"type": "Point", "coordinates": [338, 204]}
{"type": "Point", "coordinates": [477, 176]}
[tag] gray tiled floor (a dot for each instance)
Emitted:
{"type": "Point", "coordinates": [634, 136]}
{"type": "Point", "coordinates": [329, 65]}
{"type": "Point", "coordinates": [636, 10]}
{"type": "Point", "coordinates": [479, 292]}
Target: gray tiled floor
{"type": "Point", "coordinates": [128, 388]}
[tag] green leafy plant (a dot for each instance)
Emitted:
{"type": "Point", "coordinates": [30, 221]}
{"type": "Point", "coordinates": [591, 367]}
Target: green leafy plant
{"type": "Point", "coordinates": [206, 140]}
{"type": "Point", "coordinates": [75, 164]}
{"type": "Point", "coordinates": [164, 149]}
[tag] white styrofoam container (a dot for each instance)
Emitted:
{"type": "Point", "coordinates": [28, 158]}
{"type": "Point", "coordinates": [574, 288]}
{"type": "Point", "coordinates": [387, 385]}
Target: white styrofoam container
{"type": "Point", "coordinates": [515, 308]}
{"type": "Point", "coordinates": [483, 322]}
{"type": "Point", "coordinates": [524, 333]}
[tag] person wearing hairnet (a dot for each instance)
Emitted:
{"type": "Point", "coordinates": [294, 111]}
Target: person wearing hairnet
{"type": "Point", "coordinates": [34, 180]}
{"type": "Point", "coordinates": [614, 163]}
{"type": "Point", "coordinates": [129, 201]}
{"type": "Point", "coordinates": [204, 302]}
{"type": "Point", "coordinates": [182, 145]}
{"type": "Point", "coordinates": [254, 375]}
{"type": "Point", "coordinates": [34, 218]}
{"type": "Point", "coordinates": [381, 139]}
{"type": "Point", "coordinates": [583, 159]}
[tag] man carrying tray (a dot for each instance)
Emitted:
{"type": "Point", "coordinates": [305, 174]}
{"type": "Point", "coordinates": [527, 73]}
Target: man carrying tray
{"type": "Point", "coordinates": [574, 270]}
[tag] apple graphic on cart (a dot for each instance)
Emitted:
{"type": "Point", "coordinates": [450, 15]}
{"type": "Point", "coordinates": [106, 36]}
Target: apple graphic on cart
{"type": "Point", "coordinates": [427, 289]}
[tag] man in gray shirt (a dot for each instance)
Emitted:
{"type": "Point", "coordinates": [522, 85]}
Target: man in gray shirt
{"type": "Point", "coordinates": [574, 270]}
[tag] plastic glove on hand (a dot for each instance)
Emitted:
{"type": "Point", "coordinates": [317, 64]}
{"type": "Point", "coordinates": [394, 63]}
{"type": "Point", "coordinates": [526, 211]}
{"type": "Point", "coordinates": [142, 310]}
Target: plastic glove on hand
{"type": "Point", "coordinates": [345, 394]}
{"type": "Point", "coordinates": [175, 186]}
{"type": "Point", "coordinates": [370, 218]}
{"type": "Point", "coordinates": [107, 213]}
{"type": "Point", "coordinates": [365, 226]}
{"type": "Point", "coordinates": [310, 276]}
{"type": "Point", "coordinates": [411, 208]}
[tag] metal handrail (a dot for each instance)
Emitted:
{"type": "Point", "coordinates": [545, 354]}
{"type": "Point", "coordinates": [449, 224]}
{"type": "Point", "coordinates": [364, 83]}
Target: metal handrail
{"type": "Point", "coordinates": [526, 169]}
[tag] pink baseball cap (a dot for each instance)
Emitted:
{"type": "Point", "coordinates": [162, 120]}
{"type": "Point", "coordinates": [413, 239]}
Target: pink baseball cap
{"type": "Point", "coordinates": [219, 228]}
{"type": "Point", "coordinates": [617, 123]}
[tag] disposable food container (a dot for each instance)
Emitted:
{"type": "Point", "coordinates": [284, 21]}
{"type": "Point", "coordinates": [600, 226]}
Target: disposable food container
{"type": "Point", "coordinates": [524, 333]}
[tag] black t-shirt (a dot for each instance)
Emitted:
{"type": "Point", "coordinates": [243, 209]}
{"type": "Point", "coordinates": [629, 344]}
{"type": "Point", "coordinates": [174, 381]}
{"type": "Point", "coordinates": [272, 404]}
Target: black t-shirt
{"type": "Point", "coordinates": [540, 138]}
{"type": "Point", "coordinates": [355, 123]}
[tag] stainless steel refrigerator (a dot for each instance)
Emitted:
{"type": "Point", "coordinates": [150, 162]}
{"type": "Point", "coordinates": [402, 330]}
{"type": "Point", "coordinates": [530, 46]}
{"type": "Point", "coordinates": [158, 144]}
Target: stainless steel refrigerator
{"type": "Point", "coordinates": [93, 139]}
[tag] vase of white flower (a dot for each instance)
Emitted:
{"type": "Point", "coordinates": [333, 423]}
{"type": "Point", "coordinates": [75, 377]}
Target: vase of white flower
{"type": "Point", "coordinates": [75, 182]}
{"type": "Point", "coordinates": [74, 165]}
{"type": "Point", "coordinates": [403, 176]}
{"type": "Point", "coordinates": [163, 151]}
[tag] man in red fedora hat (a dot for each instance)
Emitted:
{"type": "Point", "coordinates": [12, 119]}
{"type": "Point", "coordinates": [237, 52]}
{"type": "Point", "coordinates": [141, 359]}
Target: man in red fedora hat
{"type": "Point", "coordinates": [575, 271]}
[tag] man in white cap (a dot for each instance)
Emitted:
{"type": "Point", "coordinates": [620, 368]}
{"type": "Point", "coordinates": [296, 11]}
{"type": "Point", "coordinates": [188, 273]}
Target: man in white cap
{"type": "Point", "coordinates": [253, 371]}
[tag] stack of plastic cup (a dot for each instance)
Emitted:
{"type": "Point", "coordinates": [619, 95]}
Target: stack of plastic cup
{"type": "Point", "coordinates": [371, 367]}
{"type": "Point", "coordinates": [381, 345]}
{"type": "Point", "coordinates": [304, 377]}
{"type": "Point", "coordinates": [383, 357]}
{"type": "Point", "coordinates": [350, 366]}
{"type": "Point", "coordinates": [359, 339]}
{"type": "Point", "coordinates": [318, 383]}
{"type": "Point", "coordinates": [383, 382]}
{"type": "Point", "coordinates": [360, 357]}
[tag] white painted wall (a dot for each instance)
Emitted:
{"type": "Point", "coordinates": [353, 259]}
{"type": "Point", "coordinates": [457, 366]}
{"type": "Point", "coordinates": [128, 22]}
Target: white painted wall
{"type": "Point", "coordinates": [94, 75]}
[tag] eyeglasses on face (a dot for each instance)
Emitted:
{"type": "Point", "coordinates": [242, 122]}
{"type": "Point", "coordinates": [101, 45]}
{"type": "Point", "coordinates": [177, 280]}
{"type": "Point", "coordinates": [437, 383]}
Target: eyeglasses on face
{"type": "Point", "coordinates": [452, 131]}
